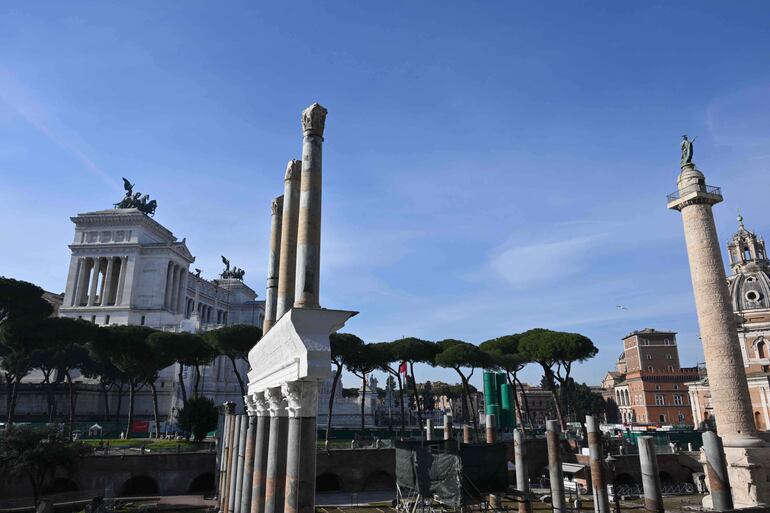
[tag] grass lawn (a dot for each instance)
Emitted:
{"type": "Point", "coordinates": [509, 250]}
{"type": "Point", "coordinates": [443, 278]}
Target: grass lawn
{"type": "Point", "coordinates": [149, 443]}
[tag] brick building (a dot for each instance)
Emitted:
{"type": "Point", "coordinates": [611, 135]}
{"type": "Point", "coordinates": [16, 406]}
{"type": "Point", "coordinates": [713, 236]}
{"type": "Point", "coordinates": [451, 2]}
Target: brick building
{"type": "Point", "coordinates": [649, 385]}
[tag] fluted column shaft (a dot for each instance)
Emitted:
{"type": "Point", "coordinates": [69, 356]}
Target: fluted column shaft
{"type": "Point", "coordinates": [275, 479]}
{"type": "Point", "coordinates": [242, 441]}
{"type": "Point", "coordinates": [248, 457]}
{"type": "Point", "coordinates": [306, 293]}
{"type": "Point", "coordinates": [169, 282]}
{"type": "Point", "coordinates": [260, 453]}
{"type": "Point", "coordinates": [288, 256]}
{"type": "Point", "coordinates": [233, 479]}
{"type": "Point", "coordinates": [174, 288]}
{"type": "Point", "coordinates": [94, 280]}
{"type": "Point", "coordinates": [105, 299]}
{"type": "Point", "coordinates": [78, 291]}
{"type": "Point", "coordinates": [301, 454]}
{"type": "Point", "coordinates": [182, 289]}
{"type": "Point", "coordinates": [273, 265]}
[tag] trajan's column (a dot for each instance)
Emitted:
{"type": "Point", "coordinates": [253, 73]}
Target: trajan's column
{"type": "Point", "coordinates": [745, 452]}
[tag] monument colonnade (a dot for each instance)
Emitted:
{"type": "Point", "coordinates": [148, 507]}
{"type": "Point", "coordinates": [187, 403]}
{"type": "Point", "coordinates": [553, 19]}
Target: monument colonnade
{"type": "Point", "coordinates": [99, 281]}
{"type": "Point", "coordinates": [268, 457]}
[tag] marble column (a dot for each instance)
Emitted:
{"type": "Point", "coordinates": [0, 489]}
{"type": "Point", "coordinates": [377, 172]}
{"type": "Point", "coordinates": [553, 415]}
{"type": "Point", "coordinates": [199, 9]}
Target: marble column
{"type": "Point", "coordinates": [309, 225]}
{"type": "Point", "coordinates": [242, 441]}
{"type": "Point", "coordinates": [287, 270]}
{"type": "Point", "coordinates": [168, 280]}
{"type": "Point", "coordinates": [222, 459]}
{"type": "Point", "coordinates": [233, 480]}
{"type": "Point", "coordinates": [261, 445]}
{"type": "Point", "coordinates": [301, 455]}
{"type": "Point", "coordinates": [175, 288]}
{"type": "Point", "coordinates": [78, 291]}
{"type": "Point", "coordinates": [105, 300]}
{"type": "Point", "coordinates": [273, 265]}
{"type": "Point", "coordinates": [248, 456]}
{"type": "Point", "coordinates": [229, 437]}
{"type": "Point", "coordinates": [94, 279]}
{"type": "Point", "coordinates": [121, 280]}
{"type": "Point", "coordinates": [182, 289]}
{"type": "Point", "coordinates": [275, 479]}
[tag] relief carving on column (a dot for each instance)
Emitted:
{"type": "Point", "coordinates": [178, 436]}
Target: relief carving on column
{"type": "Point", "coordinates": [302, 397]}
{"type": "Point", "coordinates": [261, 404]}
{"type": "Point", "coordinates": [314, 120]}
{"type": "Point", "coordinates": [277, 403]}
{"type": "Point", "coordinates": [293, 170]}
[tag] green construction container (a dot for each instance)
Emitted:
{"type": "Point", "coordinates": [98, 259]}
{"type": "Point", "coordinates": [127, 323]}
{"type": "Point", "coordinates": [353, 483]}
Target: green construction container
{"type": "Point", "coordinates": [491, 397]}
{"type": "Point", "coordinates": [507, 407]}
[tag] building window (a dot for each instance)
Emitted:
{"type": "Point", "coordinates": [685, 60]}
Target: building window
{"type": "Point", "coordinates": [662, 418]}
{"type": "Point", "coordinates": [666, 342]}
{"type": "Point", "coordinates": [649, 368]}
{"type": "Point", "coordinates": [649, 357]}
{"type": "Point", "coordinates": [142, 322]}
{"type": "Point", "coordinates": [669, 357]}
{"type": "Point", "coordinates": [671, 368]}
{"type": "Point", "coordinates": [659, 400]}
{"type": "Point", "coordinates": [676, 387]}
{"type": "Point", "coordinates": [681, 417]}
{"type": "Point", "coordinates": [761, 350]}
{"type": "Point", "coordinates": [657, 387]}
{"type": "Point", "coordinates": [678, 400]}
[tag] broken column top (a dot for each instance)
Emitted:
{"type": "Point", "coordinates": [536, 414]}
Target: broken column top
{"type": "Point", "coordinates": [313, 120]}
{"type": "Point", "coordinates": [293, 169]}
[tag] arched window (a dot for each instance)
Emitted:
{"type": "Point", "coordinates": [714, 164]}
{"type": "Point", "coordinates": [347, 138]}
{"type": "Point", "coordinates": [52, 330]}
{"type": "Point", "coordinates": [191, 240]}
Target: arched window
{"type": "Point", "coordinates": [761, 349]}
{"type": "Point", "coordinates": [746, 254]}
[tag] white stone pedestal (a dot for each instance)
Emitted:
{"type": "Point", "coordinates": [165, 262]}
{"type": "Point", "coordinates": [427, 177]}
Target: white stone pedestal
{"type": "Point", "coordinates": [749, 471]}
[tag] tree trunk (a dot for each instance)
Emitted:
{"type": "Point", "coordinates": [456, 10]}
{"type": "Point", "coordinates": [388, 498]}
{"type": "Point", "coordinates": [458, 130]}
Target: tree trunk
{"type": "Point", "coordinates": [155, 407]}
{"type": "Point", "coordinates": [131, 390]}
{"type": "Point", "coordinates": [197, 381]}
{"type": "Point", "coordinates": [119, 407]}
{"type": "Point", "coordinates": [238, 377]}
{"type": "Point", "coordinates": [71, 395]}
{"type": "Point", "coordinates": [105, 391]}
{"type": "Point", "coordinates": [557, 403]}
{"type": "Point", "coordinates": [181, 384]}
{"type": "Point", "coordinates": [48, 395]}
{"type": "Point", "coordinates": [11, 402]}
{"type": "Point", "coordinates": [363, 399]}
{"type": "Point", "coordinates": [416, 399]}
{"type": "Point", "coordinates": [401, 393]}
{"type": "Point", "coordinates": [331, 404]}
{"type": "Point", "coordinates": [467, 392]}
{"type": "Point", "coordinates": [524, 399]}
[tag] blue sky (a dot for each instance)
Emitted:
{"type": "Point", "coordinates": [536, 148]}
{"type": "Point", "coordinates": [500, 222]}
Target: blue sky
{"type": "Point", "coordinates": [488, 169]}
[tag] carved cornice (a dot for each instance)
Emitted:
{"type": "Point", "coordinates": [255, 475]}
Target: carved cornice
{"type": "Point", "coordinates": [121, 216]}
{"type": "Point", "coordinates": [314, 120]}
{"type": "Point", "coordinates": [293, 170]}
{"type": "Point", "coordinates": [277, 403]}
{"type": "Point", "coordinates": [277, 207]}
{"type": "Point", "coordinates": [302, 397]}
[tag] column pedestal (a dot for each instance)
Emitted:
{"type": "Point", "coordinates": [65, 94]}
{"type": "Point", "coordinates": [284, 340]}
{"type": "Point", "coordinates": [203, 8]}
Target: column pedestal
{"type": "Point", "coordinates": [749, 471]}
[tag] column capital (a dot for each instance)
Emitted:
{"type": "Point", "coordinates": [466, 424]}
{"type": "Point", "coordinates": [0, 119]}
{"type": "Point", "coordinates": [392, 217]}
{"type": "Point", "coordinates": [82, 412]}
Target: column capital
{"type": "Point", "coordinates": [229, 407]}
{"type": "Point", "coordinates": [251, 408]}
{"type": "Point", "coordinates": [293, 171]}
{"type": "Point", "coordinates": [314, 120]}
{"type": "Point", "coordinates": [302, 397]}
{"type": "Point", "coordinates": [277, 403]}
{"type": "Point", "coordinates": [261, 404]}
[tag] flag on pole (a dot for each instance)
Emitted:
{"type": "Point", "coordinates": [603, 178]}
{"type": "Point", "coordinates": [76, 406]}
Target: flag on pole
{"type": "Point", "coordinates": [402, 368]}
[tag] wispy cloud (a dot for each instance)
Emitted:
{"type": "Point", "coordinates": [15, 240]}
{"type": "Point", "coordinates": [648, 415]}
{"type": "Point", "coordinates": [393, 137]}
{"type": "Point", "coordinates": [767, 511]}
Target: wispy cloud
{"type": "Point", "coordinates": [22, 101]}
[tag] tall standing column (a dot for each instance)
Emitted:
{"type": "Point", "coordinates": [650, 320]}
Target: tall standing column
{"type": "Point", "coordinates": [174, 288]}
{"type": "Point", "coordinates": [234, 447]}
{"type": "Point", "coordinates": [301, 456]}
{"type": "Point", "coordinates": [182, 290]}
{"type": "Point", "coordinates": [287, 270]}
{"type": "Point", "coordinates": [522, 474]}
{"type": "Point", "coordinates": [121, 280]}
{"type": "Point", "coordinates": [260, 453]}
{"type": "Point", "coordinates": [448, 426]}
{"type": "Point", "coordinates": [598, 481]}
{"type": "Point", "coordinates": [648, 463]}
{"type": "Point", "coordinates": [553, 428]}
{"type": "Point", "coordinates": [242, 440]}
{"type": "Point", "coordinates": [94, 279]}
{"type": "Point", "coordinates": [105, 299]}
{"type": "Point", "coordinates": [273, 265]}
{"type": "Point", "coordinates": [275, 479]}
{"type": "Point", "coordinates": [718, 332]}
{"type": "Point", "coordinates": [78, 290]}
{"type": "Point", "coordinates": [309, 229]}
{"type": "Point", "coordinates": [169, 280]}
{"type": "Point", "coordinates": [222, 459]}
{"type": "Point", "coordinates": [248, 456]}
{"type": "Point", "coordinates": [228, 457]}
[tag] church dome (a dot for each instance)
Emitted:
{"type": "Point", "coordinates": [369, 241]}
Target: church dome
{"type": "Point", "coordinates": [749, 284]}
